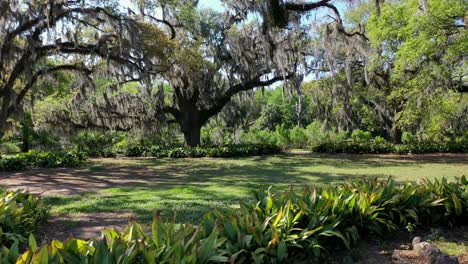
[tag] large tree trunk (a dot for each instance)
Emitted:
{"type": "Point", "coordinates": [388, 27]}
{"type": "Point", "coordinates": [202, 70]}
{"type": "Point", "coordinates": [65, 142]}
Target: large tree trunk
{"type": "Point", "coordinates": [192, 136]}
{"type": "Point", "coordinates": [25, 144]}
{"type": "Point", "coordinates": [396, 135]}
{"type": "Point", "coordinates": [191, 124]}
{"type": "Point", "coordinates": [3, 125]}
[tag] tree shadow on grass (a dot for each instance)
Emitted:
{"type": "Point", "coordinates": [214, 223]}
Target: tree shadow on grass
{"type": "Point", "coordinates": [241, 173]}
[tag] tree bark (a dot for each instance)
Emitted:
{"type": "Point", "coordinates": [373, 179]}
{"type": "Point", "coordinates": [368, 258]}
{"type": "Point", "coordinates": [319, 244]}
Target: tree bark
{"type": "Point", "coordinates": [192, 136]}
{"type": "Point", "coordinates": [3, 125]}
{"type": "Point", "coordinates": [25, 144]}
{"type": "Point", "coordinates": [191, 122]}
{"type": "Point", "coordinates": [396, 135]}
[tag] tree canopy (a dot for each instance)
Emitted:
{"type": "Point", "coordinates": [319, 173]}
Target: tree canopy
{"type": "Point", "coordinates": [374, 65]}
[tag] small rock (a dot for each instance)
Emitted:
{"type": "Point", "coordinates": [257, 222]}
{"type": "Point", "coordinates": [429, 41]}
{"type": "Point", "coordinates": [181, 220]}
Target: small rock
{"type": "Point", "coordinates": [431, 254]}
{"type": "Point", "coordinates": [416, 240]}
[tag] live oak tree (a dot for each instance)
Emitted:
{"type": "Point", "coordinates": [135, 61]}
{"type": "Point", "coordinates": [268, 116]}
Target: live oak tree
{"type": "Point", "coordinates": [226, 54]}
{"type": "Point", "coordinates": [215, 56]}
{"type": "Point", "coordinates": [222, 56]}
{"type": "Point", "coordinates": [38, 38]}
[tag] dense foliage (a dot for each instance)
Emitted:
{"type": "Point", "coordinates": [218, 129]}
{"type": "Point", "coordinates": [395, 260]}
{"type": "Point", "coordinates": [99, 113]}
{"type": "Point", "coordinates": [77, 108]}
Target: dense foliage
{"type": "Point", "coordinates": [273, 228]}
{"type": "Point", "coordinates": [42, 159]}
{"type": "Point", "coordinates": [376, 146]}
{"type": "Point", "coordinates": [223, 151]}
{"type": "Point", "coordinates": [20, 214]}
{"type": "Point", "coordinates": [95, 144]}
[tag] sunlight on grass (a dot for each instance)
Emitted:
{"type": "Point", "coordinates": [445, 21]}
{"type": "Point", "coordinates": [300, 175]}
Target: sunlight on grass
{"type": "Point", "coordinates": [452, 248]}
{"type": "Point", "coordinates": [191, 187]}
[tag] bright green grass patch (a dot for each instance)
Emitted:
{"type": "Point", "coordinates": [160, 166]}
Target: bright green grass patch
{"type": "Point", "coordinates": [188, 188]}
{"type": "Point", "coordinates": [452, 248]}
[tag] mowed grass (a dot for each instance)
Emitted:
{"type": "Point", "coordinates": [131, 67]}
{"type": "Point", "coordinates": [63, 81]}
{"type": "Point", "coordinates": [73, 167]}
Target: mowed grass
{"type": "Point", "coordinates": [185, 189]}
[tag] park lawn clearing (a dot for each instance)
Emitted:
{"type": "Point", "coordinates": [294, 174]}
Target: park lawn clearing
{"type": "Point", "coordinates": [108, 192]}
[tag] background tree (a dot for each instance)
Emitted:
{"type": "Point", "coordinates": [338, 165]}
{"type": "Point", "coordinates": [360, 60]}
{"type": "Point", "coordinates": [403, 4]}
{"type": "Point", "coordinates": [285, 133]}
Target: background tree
{"type": "Point", "coordinates": [70, 34]}
{"type": "Point", "coordinates": [401, 71]}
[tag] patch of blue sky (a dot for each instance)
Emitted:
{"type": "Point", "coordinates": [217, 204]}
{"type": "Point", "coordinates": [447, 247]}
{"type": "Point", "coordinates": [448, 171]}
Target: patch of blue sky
{"type": "Point", "coordinates": [216, 5]}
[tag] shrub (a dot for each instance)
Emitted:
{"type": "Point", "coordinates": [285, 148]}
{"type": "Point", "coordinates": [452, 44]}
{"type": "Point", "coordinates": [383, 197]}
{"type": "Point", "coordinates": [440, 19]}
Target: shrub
{"type": "Point", "coordinates": [361, 136]}
{"type": "Point", "coordinates": [216, 133]}
{"type": "Point", "coordinates": [298, 136]}
{"type": "Point", "coordinates": [407, 138]}
{"type": "Point", "coordinates": [135, 151]}
{"type": "Point", "coordinates": [12, 164]}
{"type": "Point", "coordinates": [289, 227]}
{"type": "Point", "coordinates": [224, 151]}
{"type": "Point", "coordinates": [378, 146]}
{"type": "Point", "coordinates": [418, 147]}
{"type": "Point", "coordinates": [9, 148]}
{"type": "Point", "coordinates": [47, 159]}
{"type": "Point", "coordinates": [258, 136]}
{"type": "Point", "coordinates": [20, 214]}
{"type": "Point", "coordinates": [98, 144]}
{"type": "Point", "coordinates": [43, 159]}
{"type": "Point", "coordinates": [316, 134]}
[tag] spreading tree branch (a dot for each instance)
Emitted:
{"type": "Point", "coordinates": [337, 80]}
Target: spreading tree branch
{"type": "Point", "coordinates": [42, 72]}
{"type": "Point", "coordinates": [235, 89]}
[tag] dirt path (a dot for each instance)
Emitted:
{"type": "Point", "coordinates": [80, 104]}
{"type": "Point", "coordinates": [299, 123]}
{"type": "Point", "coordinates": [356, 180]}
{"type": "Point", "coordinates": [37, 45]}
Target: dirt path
{"type": "Point", "coordinates": [84, 226]}
{"type": "Point", "coordinates": [109, 173]}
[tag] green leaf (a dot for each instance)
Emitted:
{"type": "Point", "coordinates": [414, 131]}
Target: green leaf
{"type": "Point", "coordinates": [41, 257]}
{"type": "Point", "coordinates": [13, 253]}
{"type": "Point", "coordinates": [282, 251]}
{"type": "Point", "coordinates": [457, 204]}
{"type": "Point", "coordinates": [32, 243]}
{"type": "Point", "coordinates": [463, 180]}
{"type": "Point", "coordinates": [278, 217]}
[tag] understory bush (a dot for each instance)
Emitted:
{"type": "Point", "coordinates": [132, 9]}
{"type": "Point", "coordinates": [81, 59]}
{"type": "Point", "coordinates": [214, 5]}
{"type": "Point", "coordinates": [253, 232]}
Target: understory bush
{"type": "Point", "coordinates": [293, 226]}
{"type": "Point", "coordinates": [99, 144]}
{"type": "Point", "coordinates": [12, 164]}
{"type": "Point", "coordinates": [372, 146]}
{"type": "Point", "coordinates": [42, 159]}
{"type": "Point", "coordinates": [379, 145]}
{"type": "Point", "coordinates": [9, 147]}
{"type": "Point", "coordinates": [224, 151]}
{"type": "Point", "coordinates": [20, 214]}
{"type": "Point", "coordinates": [318, 139]}
{"type": "Point", "coordinates": [426, 146]}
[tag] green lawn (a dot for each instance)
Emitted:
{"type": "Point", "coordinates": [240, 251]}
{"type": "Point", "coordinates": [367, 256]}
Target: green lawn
{"type": "Point", "coordinates": [188, 188]}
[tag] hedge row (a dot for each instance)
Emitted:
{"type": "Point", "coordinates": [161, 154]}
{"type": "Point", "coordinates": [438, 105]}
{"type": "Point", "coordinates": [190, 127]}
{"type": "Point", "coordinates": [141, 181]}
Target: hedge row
{"type": "Point", "coordinates": [42, 159]}
{"type": "Point", "coordinates": [380, 147]}
{"type": "Point", "coordinates": [225, 151]}
{"type": "Point", "coordinates": [290, 227]}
